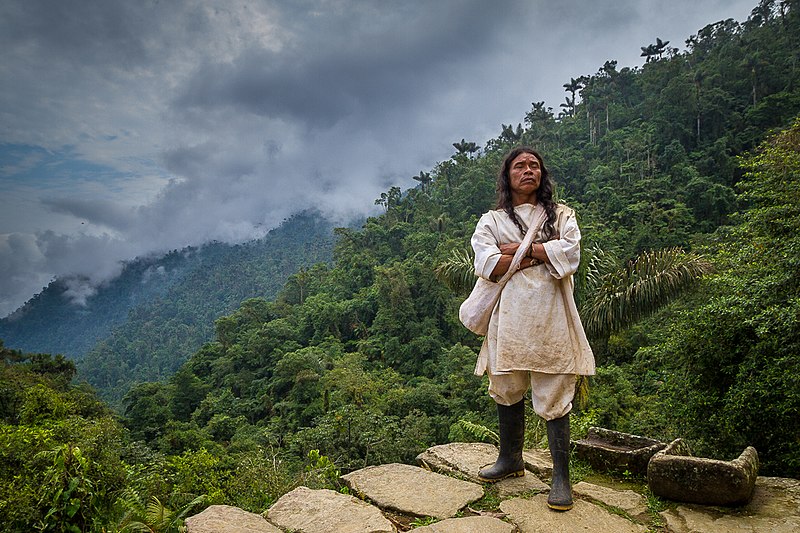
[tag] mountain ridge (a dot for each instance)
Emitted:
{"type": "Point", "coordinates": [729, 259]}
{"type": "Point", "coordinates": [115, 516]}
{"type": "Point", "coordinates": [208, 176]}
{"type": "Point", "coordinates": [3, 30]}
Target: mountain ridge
{"type": "Point", "coordinates": [183, 290]}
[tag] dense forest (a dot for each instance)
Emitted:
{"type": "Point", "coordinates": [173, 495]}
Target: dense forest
{"type": "Point", "coordinates": [142, 325]}
{"type": "Point", "coordinates": [685, 174]}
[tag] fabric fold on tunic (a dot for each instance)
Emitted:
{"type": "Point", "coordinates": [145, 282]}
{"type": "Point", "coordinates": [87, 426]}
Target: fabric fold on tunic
{"type": "Point", "coordinates": [535, 325]}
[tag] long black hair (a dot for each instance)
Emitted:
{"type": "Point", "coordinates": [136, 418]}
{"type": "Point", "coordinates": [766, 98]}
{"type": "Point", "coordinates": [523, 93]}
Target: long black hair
{"type": "Point", "coordinates": [544, 195]}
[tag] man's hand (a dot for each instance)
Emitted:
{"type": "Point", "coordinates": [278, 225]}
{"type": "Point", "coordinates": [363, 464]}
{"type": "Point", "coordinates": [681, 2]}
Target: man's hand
{"type": "Point", "coordinates": [510, 248]}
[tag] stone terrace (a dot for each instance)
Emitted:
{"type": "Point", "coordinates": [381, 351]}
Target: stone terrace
{"type": "Point", "coordinates": [443, 495]}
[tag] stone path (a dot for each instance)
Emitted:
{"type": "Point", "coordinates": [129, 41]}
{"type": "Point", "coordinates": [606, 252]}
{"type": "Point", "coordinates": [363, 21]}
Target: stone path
{"type": "Point", "coordinates": [443, 491]}
{"type": "Point", "coordinates": [465, 459]}
{"type": "Point", "coordinates": [325, 511]}
{"type": "Point", "coordinates": [413, 490]}
{"type": "Point", "coordinates": [227, 519]}
{"type": "Point", "coordinates": [775, 508]}
{"type": "Point", "coordinates": [533, 516]}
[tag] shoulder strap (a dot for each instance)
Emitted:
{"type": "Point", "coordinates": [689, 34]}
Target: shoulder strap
{"type": "Point", "coordinates": [533, 229]}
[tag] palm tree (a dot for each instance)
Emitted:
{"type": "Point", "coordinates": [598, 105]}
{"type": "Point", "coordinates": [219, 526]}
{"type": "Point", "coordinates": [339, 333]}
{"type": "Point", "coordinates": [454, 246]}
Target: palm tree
{"type": "Point", "coordinates": [661, 47]}
{"type": "Point", "coordinates": [569, 106]}
{"type": "Point", "coordinates": [424, 178]}
{"type": "Point", "coordinates": [466, 148]}
{"type": "Point", "coordinates": [609, 68]}
{"type": "Point", "coordinates": [301, 280]}
{"type": "Point", "coordinates": [510, 135]}
{"type": "Point", "coordinates": [539, 113]}
{"type": "Point", "coordinates": [656, 49]}
{"type": "Point", "coordinates": [389, 199]}
{"type": "Point", "coordinates": [648, 52]}
{"type": "Point", "coordinates": [457, 271]}
{"type": "Point", "coordinates": [614, 298]}
{"type": "Point", "coordinates": [573, 87]}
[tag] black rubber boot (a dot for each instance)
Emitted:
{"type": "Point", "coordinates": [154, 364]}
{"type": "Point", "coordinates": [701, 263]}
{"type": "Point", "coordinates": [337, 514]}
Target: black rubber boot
{"type": "Point", "coordinates": [560, 497]}
{"type": "Point", "coordinates": [512, 437]}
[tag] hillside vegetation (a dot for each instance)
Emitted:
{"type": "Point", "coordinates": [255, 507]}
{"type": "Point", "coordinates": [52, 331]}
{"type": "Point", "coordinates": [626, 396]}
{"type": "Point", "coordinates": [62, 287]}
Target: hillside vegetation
{"type": "Point", "coordinates": [363, 361]}
{"type": "Point", "coordinates": [144, 324]}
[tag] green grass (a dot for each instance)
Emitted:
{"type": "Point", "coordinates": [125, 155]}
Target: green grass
{"type": "Point", "coordinates": [423, 521]}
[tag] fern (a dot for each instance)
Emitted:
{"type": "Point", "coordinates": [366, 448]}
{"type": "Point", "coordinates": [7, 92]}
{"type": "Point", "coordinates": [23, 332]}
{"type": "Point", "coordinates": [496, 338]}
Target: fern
{"type": "Point", "coordinates": [161, 519]}
{"type": "Point", "coordinates": [478, 432]}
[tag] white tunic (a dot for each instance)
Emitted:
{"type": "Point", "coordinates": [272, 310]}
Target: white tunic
{"type": "Point", "coordinates": [535, 325]}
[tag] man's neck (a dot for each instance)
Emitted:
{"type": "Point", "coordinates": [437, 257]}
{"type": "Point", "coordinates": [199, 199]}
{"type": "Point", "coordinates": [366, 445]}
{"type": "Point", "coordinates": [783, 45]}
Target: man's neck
{"type": "Point", "coordinates": [527, 199]}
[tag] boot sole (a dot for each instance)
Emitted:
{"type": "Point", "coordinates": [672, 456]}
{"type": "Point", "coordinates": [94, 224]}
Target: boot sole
{"type": "Point", "coordinates": [557, 507]}
{"type": "Point", "coordinates": [521, 473]}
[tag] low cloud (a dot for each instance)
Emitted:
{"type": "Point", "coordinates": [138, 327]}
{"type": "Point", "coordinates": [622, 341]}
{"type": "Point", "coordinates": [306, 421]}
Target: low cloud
{"type": "Point", "coordinates": [28, 261]}
{"type": "Point", "coordinates": [106, 214]}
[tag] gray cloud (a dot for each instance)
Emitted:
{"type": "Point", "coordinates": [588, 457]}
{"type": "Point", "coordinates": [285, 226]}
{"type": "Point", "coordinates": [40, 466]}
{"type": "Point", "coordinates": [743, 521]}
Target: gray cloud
{"type": "Point", "coordinates": [221, 118]}
{"type": "Point", "coordinates": [28, 261]}
{"type": "Point", "coordinates": [352, 62]}
{"type": "Point", "coordinates": [78, 32]}
{"type": "Point", "coordinates": [103, 213]}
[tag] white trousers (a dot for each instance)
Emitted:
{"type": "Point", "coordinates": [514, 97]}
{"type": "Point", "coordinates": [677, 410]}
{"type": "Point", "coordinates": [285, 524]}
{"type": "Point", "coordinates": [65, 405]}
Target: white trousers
{"type": "Point", "coordinates": [552, 394]}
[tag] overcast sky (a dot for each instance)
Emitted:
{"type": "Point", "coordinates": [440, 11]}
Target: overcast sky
{"type": "Point", "coordinates": [133, 127]}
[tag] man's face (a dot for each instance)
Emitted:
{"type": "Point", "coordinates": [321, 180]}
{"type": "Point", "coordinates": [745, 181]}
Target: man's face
{"type": "Point", "coordinates": [525, 174]}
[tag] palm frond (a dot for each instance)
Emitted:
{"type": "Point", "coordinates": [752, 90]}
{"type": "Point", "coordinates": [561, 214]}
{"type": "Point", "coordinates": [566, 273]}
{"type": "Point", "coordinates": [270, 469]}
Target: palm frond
{"type": "Point", "coordinates": [135, 527]}
{"type": "Point", "coordinates": [191, 506]}
{"type": "Point", "coordinates": [159, 516]}
{"type": "Point", "coordinates": [617, 299]}
{"type": "Point", "coordinates": [457, 271]}
{"type": "Point", "coordinates": [595, 263]}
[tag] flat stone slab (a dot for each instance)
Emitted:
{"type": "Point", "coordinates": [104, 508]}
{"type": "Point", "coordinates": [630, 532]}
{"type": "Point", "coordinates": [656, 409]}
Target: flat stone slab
{"type": "Point", "coordinates": [775, 507]}
{"type": "Point", "coordinates": [413, 490]}
{"type": "Point", "coordinates": [470, 524]}
{"type": "Point", "coordinates": [458, 458]}
{"type": "Point", "coordinates": [227, 519]}
{"type": "Point", "coordinates": [533, 516]}
{"type": "Point", "coordinates": [304, 510]}
{"type": "Point", "coordinates": [774, 497]}
{"type": "Point", "coordinates": [467, 458]}
{"type": "Point", "coordinates": [629, 501]}
{"type": "Point", "coordinates": [691, 519]}
{"type": "Point", "coordinates": [515, 486]}
{"type": "Point", "coordinates": [539, 462]}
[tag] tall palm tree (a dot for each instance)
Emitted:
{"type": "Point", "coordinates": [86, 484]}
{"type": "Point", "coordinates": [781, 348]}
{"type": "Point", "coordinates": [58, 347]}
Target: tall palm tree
{"type": "Point", "coordinates": [424, 178]}
{"type": "Point", "coordinates": [573, 87]}
{"type": "Point", "coordinates": [653, 50]}
{"type": "Point", "coordinates": [569, 106]}
{"type": "Point", "coordinates": [466, 148]}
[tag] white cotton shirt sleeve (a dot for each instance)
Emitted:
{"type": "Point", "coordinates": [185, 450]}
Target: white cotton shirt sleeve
{"type": "Point", "coordinates": [484, 244]}
{"type": "Point", "coordinates": [565, 252]}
